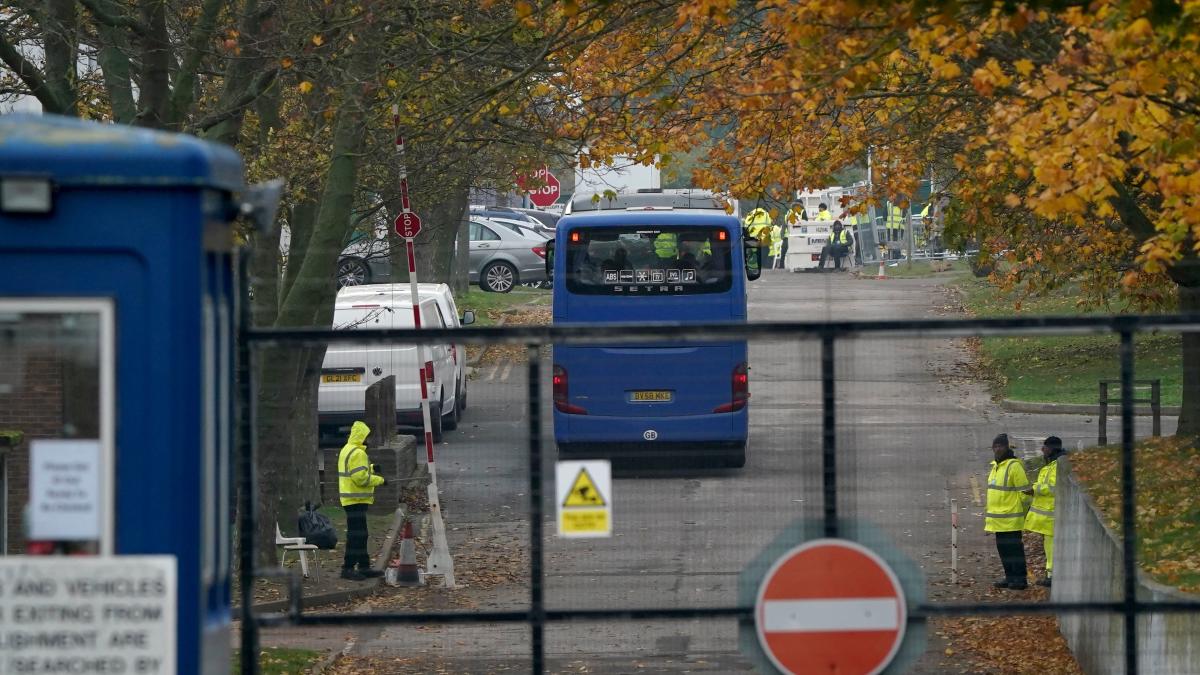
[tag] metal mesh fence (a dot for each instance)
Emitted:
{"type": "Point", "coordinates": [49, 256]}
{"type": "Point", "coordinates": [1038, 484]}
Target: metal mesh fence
{"type": "Point", "coordinates": [865, 429]}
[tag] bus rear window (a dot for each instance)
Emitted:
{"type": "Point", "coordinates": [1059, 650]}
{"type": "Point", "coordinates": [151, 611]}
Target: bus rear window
{"type": "Point", "coordinates": [636, 260]}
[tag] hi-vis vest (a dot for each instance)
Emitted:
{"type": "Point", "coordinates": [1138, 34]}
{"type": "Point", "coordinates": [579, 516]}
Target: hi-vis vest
{"type": "Point", "coordinates": [1006, 501]}
{"type": "Point", "coordinates": [895, 219]}
{"type": "Point", "coordinates": [1041, 512]}
{"type": "Point", "coordinates": [666, 245]}
{"type": "Point", "coordinates": [825, 215]}
{"type": "Point", "coordinates": [356, 483]}
{"type": "Point", "coordinates": [845, 237]}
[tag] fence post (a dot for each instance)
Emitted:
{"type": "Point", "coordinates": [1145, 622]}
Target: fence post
{"type": "Point", "coordinates": [1156, 406]}
{"type": "Point", "coordinates": [537, 606]}
{"type": "Point", "coordinates": [829, 437]}
{"type": "Point", "coordinates": [1128, 505]}
{"type": "Point", "coordinates": [954, 541]}
{"type": "Point", "coordinates": [1103, 440]}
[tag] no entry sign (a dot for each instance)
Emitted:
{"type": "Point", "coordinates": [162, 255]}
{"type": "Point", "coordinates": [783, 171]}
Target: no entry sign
{"type": "Point", "coordinates": [830, 606]}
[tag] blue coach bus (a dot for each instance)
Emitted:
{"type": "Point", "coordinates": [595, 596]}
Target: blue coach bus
{"type": "Point", "coordinates": [652, 258]}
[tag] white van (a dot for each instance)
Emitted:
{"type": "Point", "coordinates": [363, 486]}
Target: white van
{"type": "Point", "coordinates": [349, 369]}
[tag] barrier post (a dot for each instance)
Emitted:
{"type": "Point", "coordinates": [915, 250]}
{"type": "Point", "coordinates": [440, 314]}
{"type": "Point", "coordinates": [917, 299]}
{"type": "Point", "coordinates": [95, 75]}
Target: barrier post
{"type": "Point", "coordinates": [439, 562]}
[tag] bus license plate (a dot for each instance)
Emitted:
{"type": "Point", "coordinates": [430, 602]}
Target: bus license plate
{"type": "Point", "coordinates": [347, 377]}
{"type": "Point", "coordinates": [651, 396]}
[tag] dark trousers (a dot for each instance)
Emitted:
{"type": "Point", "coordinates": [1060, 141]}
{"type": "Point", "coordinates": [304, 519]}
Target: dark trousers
{"type": "Point", "coordinates": [356, 537]}
{"type": "Point", "coordinates": [836, 251]}
{"type": "Point", "coordinates": [1012, 555]}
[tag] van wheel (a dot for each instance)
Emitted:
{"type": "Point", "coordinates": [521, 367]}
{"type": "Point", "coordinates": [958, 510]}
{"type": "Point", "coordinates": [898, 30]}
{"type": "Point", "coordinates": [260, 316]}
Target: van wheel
{"type": "Point", "coordinates": [435, 419]}
{"type": "Point", "coordinates": [736, 458]}
{"type": "Point", "coordinates": [498, 277]}
{"type": "Point", "coordinates": [450, 421]}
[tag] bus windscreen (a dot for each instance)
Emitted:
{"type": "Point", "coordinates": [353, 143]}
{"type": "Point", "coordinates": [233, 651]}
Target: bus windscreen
{"type": "Point", "coordinates": [636, 260]}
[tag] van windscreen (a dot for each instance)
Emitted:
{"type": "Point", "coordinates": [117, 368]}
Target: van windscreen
{"type": "Point", "coordinates": [643, 260]}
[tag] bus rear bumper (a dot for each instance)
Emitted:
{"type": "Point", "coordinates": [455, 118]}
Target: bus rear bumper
{"type": "Point", "coordinates": [639, 436]}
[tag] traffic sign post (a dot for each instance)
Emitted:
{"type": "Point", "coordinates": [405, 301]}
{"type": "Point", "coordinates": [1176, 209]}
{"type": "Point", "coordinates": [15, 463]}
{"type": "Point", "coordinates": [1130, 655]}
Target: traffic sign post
{"type": "Point", "coordinates": [830, 605]}
{"type": "Point", "coordinates": [547, 187]}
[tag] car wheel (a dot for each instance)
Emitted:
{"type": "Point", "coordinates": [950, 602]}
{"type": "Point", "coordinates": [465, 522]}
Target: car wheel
{"type": "Point", "coordinates": [450, 420]}
{"type": "Point", "coordinates": [499, 277]}
{"type": "Point", "coordinates": [435, 419]}
{"type": "Point", "coordinates": [353, 272]}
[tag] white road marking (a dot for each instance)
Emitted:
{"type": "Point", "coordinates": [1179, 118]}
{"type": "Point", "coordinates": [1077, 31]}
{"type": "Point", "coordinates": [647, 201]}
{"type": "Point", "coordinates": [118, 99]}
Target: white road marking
{"type": "Point", "coordinates": [507, 369]}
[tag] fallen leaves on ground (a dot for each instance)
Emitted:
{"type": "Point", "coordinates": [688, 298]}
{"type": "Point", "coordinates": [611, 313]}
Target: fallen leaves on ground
{"type": "Point", "coordinates": [1008, 644]}
{"type": "Point", "coordinates": [529, 315]}
{"type": "Point", "coordinates": [1167, 516]}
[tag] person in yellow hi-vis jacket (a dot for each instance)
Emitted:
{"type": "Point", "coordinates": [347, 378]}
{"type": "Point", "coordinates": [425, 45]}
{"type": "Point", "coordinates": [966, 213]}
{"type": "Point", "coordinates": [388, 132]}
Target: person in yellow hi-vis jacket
{"type": "Point", "coordinates": [1041, 511]}
{"type": "Point", "coordinates": [357, 481]}
{"type": "Point", "coordinates": [1005, 516]}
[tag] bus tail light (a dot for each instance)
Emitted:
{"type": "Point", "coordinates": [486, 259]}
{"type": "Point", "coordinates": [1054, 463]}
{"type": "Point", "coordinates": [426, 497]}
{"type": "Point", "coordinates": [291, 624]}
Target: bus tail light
{"type": "Point", "coordinates": [560, 393]}
{"type": "Point", "coordinates": [429, 371]}
{"type": "Point", "coordinates": [740, 390]}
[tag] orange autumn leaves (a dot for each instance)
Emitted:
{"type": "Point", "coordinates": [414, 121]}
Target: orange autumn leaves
{"type": "Point", "coordinates": [1034, 121]}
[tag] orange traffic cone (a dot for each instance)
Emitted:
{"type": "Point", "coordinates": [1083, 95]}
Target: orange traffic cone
{"type": "Point", "coordinates": [406, 573]}
{"type": "Point", "coordinates": [882, 273]}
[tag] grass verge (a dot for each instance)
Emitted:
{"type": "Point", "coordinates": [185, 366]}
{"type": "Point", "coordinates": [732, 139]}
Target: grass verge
{"type": "Point", "coordinates": [281, 661]}
{"type": "Point", "coordinates": [1168, 505]}
{"type": "Point", "coordinates": [1065, 369]}
{"type": "Point", "coordinates": [489, 307]}
{"type": "Point", "coordinates": [919, 268]}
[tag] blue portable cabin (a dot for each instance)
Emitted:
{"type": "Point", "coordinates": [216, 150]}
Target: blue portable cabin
{"type": "Point", "coordinates": [137, 224]}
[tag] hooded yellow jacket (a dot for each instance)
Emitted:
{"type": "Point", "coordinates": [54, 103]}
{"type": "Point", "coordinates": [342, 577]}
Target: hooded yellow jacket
{"type": "Point", "coordinates": [356, 482]}
{"type": "Point", "coordinates": [1006, 500]}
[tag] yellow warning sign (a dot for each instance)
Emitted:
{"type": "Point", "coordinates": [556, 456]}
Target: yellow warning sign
{"type": "Point", "coordinates": [584, 492]}
{"type": "Point", "coordinates": [584, 521]}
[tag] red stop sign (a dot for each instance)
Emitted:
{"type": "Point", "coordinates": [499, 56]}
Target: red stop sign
{"type": "Point", "coordinates": [548, 187]}
{"type": "Point", "coordinates": [830, 606]}
{"type": "Point", "coordinates": [408, 224]}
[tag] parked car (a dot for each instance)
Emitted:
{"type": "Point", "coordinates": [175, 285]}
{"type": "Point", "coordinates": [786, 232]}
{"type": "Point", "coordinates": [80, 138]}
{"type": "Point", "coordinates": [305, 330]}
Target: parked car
{"type": "Point", "coordinates": [523, 228]}
{"type": "Point", "coordinates": [500, 258]}
{"type": "Point", "coordinates": [348, 369]}
{"type": "Point", "coordinates": [549, 220]}
{"type": "Point", "coordinates": [365, 261]}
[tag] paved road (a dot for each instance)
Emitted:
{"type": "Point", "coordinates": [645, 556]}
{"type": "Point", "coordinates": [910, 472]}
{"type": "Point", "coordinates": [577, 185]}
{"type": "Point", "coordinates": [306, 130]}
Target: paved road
{"type": "Point", "coordinates": [913, 430]}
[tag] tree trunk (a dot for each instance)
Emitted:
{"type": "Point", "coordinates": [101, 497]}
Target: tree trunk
{"type": "Point", "coordinates": [435, 248]}
{"type": "Point", "coordinates": [154, 86]}
{"type": "Point", "coordinates": [460, 281]}
{"type": "Point", "coordinates": [60, 36]}
{"type": "Point", "coordinates": [287, 470]}
{"type": "Point", "coordinates": [1189, 415]}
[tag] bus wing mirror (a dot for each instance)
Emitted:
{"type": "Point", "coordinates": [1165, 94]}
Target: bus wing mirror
{"type": "Point", "coordinates": [753, 258]}
{"type": "Point", "coordinates": [550, 259]}
{"type": "Point", "coordinates": [468, 317]}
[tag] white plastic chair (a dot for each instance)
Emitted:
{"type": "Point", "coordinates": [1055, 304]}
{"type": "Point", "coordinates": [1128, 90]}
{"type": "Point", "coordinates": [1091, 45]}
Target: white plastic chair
{"type": "Point", "coordinates": [298, 545]}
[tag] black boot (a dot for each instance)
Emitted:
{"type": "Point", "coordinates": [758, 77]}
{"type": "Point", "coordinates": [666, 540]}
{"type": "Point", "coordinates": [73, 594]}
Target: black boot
{"type": "Point", "coordinates": [352, 574]}
{"type": "Point", "coordinates": [370, 573]}
{"type": "Point", "coordinates": [1044, 582]}
{"type": "Point", "coordinates": [1003, 583]}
